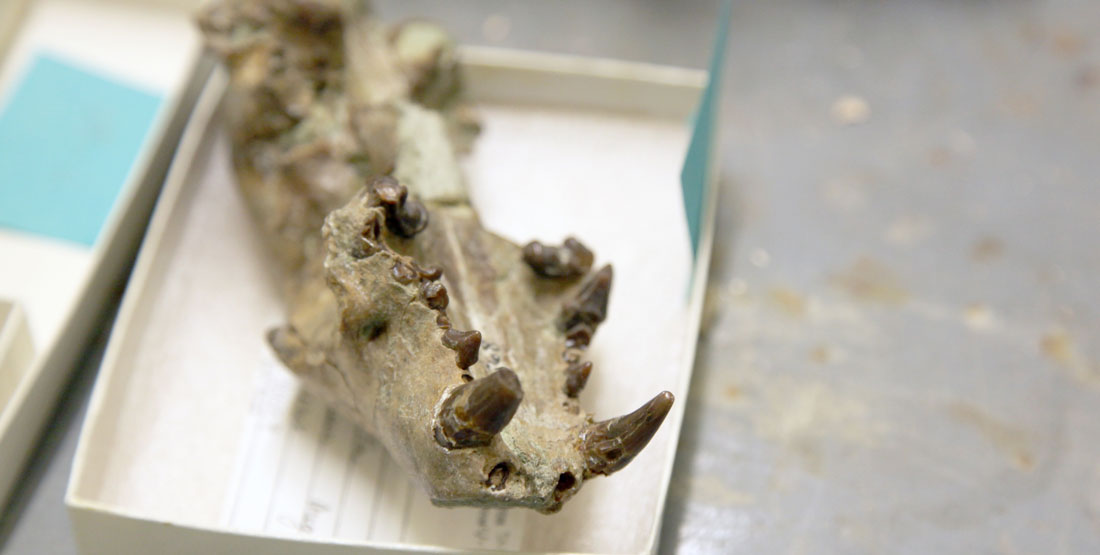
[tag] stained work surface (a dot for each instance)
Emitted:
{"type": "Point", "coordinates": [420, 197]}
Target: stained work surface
{"type": "Point", "coordinates": [903, 342]}
{"type": "Point", "coordinates": [902, 351]}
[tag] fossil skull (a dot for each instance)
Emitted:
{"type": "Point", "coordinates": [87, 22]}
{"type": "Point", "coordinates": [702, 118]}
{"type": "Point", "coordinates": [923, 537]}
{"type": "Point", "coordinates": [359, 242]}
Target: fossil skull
{"type": "Point", "coordinates": [460, 350]}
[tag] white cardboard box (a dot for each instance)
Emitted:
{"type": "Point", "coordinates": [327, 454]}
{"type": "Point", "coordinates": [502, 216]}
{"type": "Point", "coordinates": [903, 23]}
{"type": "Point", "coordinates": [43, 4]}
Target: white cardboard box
{"type": "Point", "coordinates": [197, 442]}
{"type": "Point", "coordinates": [16, 349]}
{"type": "Point", "coordinates": [63, 287]}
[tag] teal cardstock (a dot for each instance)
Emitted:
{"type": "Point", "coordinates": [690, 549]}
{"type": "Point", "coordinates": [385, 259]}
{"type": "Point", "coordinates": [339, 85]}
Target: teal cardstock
{"type": "Point", "coordinates": [693, 176]}
{"type": "Point", "coordinates": [68, 140]}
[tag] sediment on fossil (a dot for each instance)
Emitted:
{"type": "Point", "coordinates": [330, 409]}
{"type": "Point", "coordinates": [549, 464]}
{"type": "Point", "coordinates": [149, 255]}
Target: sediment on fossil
{"type": "Point", "coordinates": [457, 348]}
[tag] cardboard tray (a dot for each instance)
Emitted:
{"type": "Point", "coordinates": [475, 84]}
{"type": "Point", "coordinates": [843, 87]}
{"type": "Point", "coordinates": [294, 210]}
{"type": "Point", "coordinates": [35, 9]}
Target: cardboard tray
{"type": "Point", "coordinates": [63, 287]}
{"type": "Point", "coordinates": [16, 349]}
{"type": "Point", "coordinates": [163, 462]}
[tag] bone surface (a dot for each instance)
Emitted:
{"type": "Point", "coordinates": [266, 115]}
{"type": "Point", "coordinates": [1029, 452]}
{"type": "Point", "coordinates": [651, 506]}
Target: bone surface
{"type": "Point", "coordinates": [460, 350]}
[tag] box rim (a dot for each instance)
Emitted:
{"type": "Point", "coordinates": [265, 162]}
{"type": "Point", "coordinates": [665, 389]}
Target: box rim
{"type": "Point", "coordinates": [14, 337]}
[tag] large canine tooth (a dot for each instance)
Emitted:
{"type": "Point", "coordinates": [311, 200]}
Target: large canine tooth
{"type": "Point", "coordinates": [611, 444]}
{"type": "Point", "coordinates": [476, 411]}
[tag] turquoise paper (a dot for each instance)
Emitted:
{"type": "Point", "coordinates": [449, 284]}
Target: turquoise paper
{"type": "Point", "coordinates": [693, 176]}
{"type": "Point", "coordinates": [68, 139]}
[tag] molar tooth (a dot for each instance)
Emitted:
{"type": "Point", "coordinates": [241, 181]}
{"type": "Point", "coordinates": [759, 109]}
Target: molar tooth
{"type": "Point", "coordinates": [476, 411]}
{"type": "Point", "coordinates": [576, 375]}
{"type": "Point", "coordinates": [578, 336]}
{"type": "Point", "coordinates": [570, 260]}
{"type": "Point", "coordinates": [404, 217]}
{"type": "Point", "coordinates": [590, 304]}
{"type": "Point", "coordinates": [403, 272]}
{"type": "Point", "coordinates": [408, 218]}
{"type": "Point", "coordinates": [435, 294]}
{"type": "Point", "coordinates": [430, 273]}
{"type": "Point", "coordinates": [389, 191]}
{"type": "Point", "coordinates": [466, 345]}
{"type": "Point", "coordinates": [611, 444]}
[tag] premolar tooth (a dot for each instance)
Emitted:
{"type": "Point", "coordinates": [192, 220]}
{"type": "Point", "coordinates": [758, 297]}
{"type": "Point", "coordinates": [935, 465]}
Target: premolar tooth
{"type": "Point", "coordinates": [466, 345]}
{"type": "Point", "coordinates": [435, 294]}
{"type": "Point", "coordinates": [389, 191]}
{"type": "Point", "coordinates": [611, 444]}
{"type": "Point", "coordinates": [578, 336]}
{"type": "Point", "coordinates": [590, 305]}
{"type": "Point", "coordinates": [576, 375]}
{"type": "Point", "coordinates": [476, 411]}
{"type": "Point", "coordinates": [404, 273]}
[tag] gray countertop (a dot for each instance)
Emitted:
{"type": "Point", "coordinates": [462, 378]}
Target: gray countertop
{"type": "Point", "coordinates": [902, 346]}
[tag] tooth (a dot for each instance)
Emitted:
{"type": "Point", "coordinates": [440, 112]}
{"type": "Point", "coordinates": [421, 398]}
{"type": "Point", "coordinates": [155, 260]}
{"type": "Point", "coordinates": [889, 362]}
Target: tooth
{"type": "Point", "coordinates": [611, 444]}
{"type": "Point", "coordinates": [431, 273]}
{"type": "Point", "coordinates": [288, 346]}
{"type": "Point", "coordinates": [389, 191]}
{"type": "Point", "coordinates": [443, 321]}
{"type": "Point", "coordinates": [570, 260]}
{"type": "Point", "coordinates": [435, 294]}
{"type": "Point", "coordinates": [476, 411]}
{"type": "Point", "coordinates": [590, 304]}
{"type": "Point", "coordinates": [578, 336]}
{"type": "Point", "coordinates": [576, 375]}
{"type": "Point", "coordinates": [368, 243]}
{"type": "Point", "coordinates": [404, 217]}
{"type": "Point", "coordinates": [466, 345]}
{"type": "Point", "coordinates": [403, 272]}
{"type": "Point", "coordinates": [581, 257]}
{"type": "Point", "coordinates": [408, 218]}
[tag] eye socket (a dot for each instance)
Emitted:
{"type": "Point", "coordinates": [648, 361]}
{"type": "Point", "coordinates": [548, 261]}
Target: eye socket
{"type": "Point", "coordinates": [498, 476]}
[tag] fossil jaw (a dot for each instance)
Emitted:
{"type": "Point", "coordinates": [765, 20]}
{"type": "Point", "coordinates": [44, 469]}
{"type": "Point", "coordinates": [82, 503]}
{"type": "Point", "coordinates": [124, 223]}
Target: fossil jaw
{"type": "Point", "coordinates": [460, 350]}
